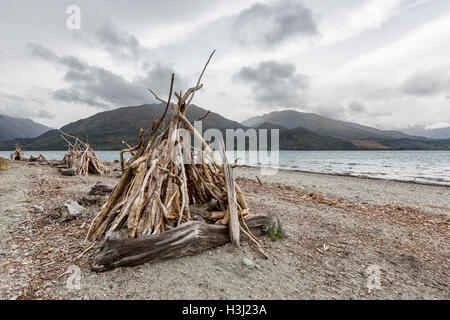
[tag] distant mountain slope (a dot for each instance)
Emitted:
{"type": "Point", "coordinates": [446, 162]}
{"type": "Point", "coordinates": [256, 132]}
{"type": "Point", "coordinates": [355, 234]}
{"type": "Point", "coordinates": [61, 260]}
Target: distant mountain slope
{"type": "Point", "coordinates": [403, 144]}
{"type": "Point", "coordinates": [106, 130]}
{"type": "Point", "coordinates": [324, 126]}
{"type": "Point", "coordinates": [304, 139]}
{"type": "Point", "coordinates": [440, 133]}
{"type": "Point", "coordinates": [11, 128]}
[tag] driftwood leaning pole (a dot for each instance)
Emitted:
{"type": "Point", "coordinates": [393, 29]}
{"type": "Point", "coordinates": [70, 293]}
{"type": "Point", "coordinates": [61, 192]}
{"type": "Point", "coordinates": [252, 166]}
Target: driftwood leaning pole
{"type": "Point", "coordinates": [161, 181]}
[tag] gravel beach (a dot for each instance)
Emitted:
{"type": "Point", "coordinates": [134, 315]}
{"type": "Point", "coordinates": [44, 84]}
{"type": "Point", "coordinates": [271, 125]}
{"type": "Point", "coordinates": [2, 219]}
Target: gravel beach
{"type": "Point", "coordinates": [341, 232]}
{"type": "Point", "coordinates": [427, 197]}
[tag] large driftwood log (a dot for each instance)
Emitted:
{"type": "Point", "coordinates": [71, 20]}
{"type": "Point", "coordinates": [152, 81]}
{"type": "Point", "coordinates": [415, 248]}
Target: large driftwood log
{"type": "Point", "coordinates": [100, 189]}
{"type": "Point", "coordinates": [68, 172]}
{"type": "Point", "coordinates": [188, 239]}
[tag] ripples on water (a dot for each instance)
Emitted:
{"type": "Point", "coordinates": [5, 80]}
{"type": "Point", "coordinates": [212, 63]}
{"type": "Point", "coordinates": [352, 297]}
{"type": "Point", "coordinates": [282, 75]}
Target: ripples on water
{"type": "Point", "coordinates": [418, 166]}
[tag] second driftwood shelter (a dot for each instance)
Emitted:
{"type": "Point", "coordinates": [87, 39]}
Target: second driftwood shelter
{"type": "Point", "coordinates": [81, 157]}
{"type": "Point", "coordinates": [154, 201]}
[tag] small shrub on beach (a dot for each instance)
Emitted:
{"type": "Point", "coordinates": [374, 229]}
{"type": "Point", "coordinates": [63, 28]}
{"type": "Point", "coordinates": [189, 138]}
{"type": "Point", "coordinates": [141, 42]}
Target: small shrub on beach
{"type": "Point", "coordinates": [3, 164]}
{"type": "Point", "coordinates": [276, 231]}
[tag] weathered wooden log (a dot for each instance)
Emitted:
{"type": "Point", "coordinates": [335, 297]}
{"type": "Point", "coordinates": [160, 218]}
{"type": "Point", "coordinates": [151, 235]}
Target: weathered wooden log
{"type": "Point", "coordinates": [100, 190]}
{"type": "Point", "coordinates": [68, 172]}
{"type": "Point", "coordinates": [188, 239]}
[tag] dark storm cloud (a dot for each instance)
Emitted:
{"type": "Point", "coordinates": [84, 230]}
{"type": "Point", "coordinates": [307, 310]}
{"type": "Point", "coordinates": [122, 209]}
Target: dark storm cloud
{"type": "Point", "coordinates": [274, 83]}
{"type": "Point", "coordinates": [266, 25]}
{"type": "Point", "coordinates": [101, 88]}
{"type": "Point", "coordinates": [427, 83]}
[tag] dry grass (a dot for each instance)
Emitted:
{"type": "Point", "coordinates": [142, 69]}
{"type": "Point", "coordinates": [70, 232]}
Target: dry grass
{"type": "Point", "coordinates": [3, 164]}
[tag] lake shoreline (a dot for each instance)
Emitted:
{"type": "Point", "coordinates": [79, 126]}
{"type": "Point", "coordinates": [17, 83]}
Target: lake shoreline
{"type": "Point", "coordinates": [433, 198]}
{"type": "Point", "coordinates": [419, 167]}
{"type": "Point", "coordinates": [348, 175]}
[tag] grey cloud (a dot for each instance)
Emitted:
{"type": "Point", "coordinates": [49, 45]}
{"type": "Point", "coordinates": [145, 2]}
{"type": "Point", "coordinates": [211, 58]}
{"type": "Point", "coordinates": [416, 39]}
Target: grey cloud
{"type": "Point", "coordinates": [22, 106]}
{"type": "Point", "coordinates": [426, 83]}
{"type": "Point", "coordinates": [42, 52]}
{"type": "Point", "coordinates": [126, 48]}
{"type": "Point", "coordinates": [10, 97]}
{"type": "Point", "coordinates": [158, 79]}
{"type": "Point", "coordinates": [266, 25]}
{"type": "Point", "coordinates": [331, 111]}
{"type": "Point", "coordinates": [50, 56]}
{"type": "Point", "coordinates": [103, 89]}
{"type": "Point", "coordinates": [44, 114]}
{"type": "Point", "coordinates": [356, 107]}
{"type": "Point", "coordinates": [121, 45]}
{"type": "Point", "coordinates": [74, 96]}
{"type": "Point", "coordinates": [274, 83]}
{"type": "Point", "coordinates": [350, 110]}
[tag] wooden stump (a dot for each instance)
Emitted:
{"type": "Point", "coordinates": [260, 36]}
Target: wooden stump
{"type": "Point", "coordinates": [188, 239]}
{"type": "Point", "coordinates": [100, 190]}
{"type": "Point", "coordinates": [68, 172]}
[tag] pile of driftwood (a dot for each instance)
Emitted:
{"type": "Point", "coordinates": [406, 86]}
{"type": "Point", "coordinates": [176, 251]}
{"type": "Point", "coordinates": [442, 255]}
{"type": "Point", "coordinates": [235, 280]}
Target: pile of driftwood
{"type": "Point", "coordinates": [17, 154]}
{"type": "Point", "coordinates": [158, 186]}
{"type": "Point", "coordinates": [82, 158]}
{"type": "Point", "coordinates": [41, 158]}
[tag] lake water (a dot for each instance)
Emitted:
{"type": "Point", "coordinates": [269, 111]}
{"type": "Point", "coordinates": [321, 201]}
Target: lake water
{"type": "Point", "coordinates": [418, 166]}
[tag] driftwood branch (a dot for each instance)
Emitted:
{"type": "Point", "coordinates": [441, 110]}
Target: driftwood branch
{"type": "Point", "coordinates": [167, 107]}
{"type": "Point", "coordinates": [204, 116]}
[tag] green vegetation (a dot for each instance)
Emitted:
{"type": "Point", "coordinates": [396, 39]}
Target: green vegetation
{"type": "Point", "coordinates": [3, 164]}
{"type": "Point", "coordinates": [276, 231]}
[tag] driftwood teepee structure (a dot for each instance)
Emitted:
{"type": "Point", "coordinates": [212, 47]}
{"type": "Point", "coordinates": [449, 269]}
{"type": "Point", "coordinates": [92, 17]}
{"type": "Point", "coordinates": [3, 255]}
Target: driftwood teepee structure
{"type": "Point", "coordinates": [82, 158]}
{"type": "Point", "coordinates": [157, 187]}
{"type": "Point", "coordinates": [17, 154]}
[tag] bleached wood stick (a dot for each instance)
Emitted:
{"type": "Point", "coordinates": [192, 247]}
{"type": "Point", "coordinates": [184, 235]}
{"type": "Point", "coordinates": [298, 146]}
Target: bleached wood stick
{"type": "Point", "coordinates": [232, 205]}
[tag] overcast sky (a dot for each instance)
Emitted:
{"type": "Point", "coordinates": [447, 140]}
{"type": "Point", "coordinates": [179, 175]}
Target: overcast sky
{"type": "Point", "coordinates": [384, 63]}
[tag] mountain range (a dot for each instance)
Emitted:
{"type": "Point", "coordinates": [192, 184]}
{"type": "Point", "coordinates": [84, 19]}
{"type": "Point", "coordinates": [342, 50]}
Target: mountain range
{"type": "Point", "coordinates": [298, 131]}
{"type": "Point", "coordinates": [291, 119]}
{"type": "Point", "coordinates": [358, 136]}
{"type": "Point", "coordinates": [106, 130]}
{"type": "Point", "coordinates": [11, 128]}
